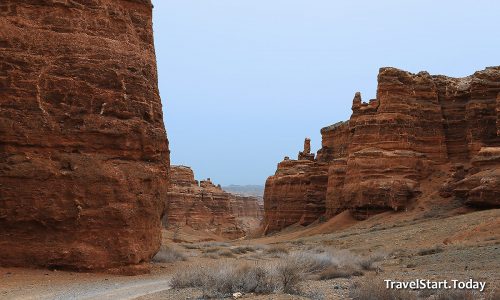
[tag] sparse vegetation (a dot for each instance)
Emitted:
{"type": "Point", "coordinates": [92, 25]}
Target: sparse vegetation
{"type": "Point", "coordinates": [336, 272]}
{"type": "Point", "coordinates": [211, 250]}
{"type": "Point", "coordinates": [245, 249]}
{"type": "Point", "coordinates": [456, 294]}
{"type": "Point", "coordinates": [376, 290]}
{"type": "Point", "coordinates": [226, 278]}
{"type": "Point", "coordinates": [429, 251]}
{"type": "Point", "coordinates": [283, 274]}
{"type": "Point", "coordinates": [225, 253]}
{"type": "Point", "coordinates": [277, 249]}
{"type": "Point", "coordinates": [168, 255]}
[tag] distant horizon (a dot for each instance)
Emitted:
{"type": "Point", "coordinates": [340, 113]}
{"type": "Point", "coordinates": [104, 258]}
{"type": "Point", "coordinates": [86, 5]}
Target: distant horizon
{"type": "Point", "coordinates": [243, 83]}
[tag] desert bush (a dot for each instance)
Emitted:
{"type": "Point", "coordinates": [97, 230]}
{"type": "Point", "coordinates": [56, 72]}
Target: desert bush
{"type": "Point", "coordinates": [225, 253]}
{"type": "Point", "coordinates": [366, 262]}
{"type": "Point", "coordinates": [191, 246]}
{"type": "Point", "coordinates": [277, 249]}
{"type": "Point", "coordinates": [211, 255]}
{"type": "Point", "coordinates": [168, 255]}
{"type": "Point", "coordinates": [211, 250]}
{"type": "Point", "coordinates": [429, 251]}
{"type": "Point", "coordinates": [289, 273]}
{"type": "Point", "coordinates": [332, 263]}
{"type": "Point", "coordinates": [244, 249]}
{"type": "Point", "coordinates": [214, 244]}
{"type": "Point", "coordinates": [228, 277]}
{"type": "Point", "coordinates": [376, 290]}
{"type": "Point", "coordinates": [336, 272]}
{"type": "Point", "coordinates": [311, 263]}
{"type": "Point", "coordinates": [189, 277]}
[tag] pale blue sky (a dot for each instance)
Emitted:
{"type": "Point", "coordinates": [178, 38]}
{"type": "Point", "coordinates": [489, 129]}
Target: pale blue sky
{"type": "Point", "coordinates": [243, 82]}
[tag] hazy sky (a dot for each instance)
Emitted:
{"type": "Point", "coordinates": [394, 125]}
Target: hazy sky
{"type": "Point", "coordinates": [243, 82]}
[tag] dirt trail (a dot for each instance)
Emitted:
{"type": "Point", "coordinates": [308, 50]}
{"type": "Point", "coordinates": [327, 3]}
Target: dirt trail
{"type": "Point", "coordinates": [114, 288]}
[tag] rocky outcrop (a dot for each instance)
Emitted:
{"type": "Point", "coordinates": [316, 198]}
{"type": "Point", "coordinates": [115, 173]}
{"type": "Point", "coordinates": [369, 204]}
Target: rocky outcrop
{"type": "Point", "coordinates": [246, 206]}
{"type": "Point", "coordinates": [480, 185]}
{"type": "Point", "coordinates": [205, 206]}
{"type": "Point", "coordinates": [376, 161]}
{"type": "Point", "coordinates": [296, 193]}
{"type": "Point", "coordinates": [83, 153]}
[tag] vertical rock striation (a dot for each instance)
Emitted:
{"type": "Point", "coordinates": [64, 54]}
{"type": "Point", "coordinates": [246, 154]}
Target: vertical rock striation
{"type": "Point", "coordinates": [84, 157]}
{"type": "Point", "coordinates": [376, 161]}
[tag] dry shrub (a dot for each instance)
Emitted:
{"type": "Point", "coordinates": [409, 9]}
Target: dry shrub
{"type": "Point", "coordinates": [225, 253]}
{"type": "Point", "coordinates": [244, 249]}
{"type": "Point", "coordinates": [211, 250]}
{"type": "Point", "coordinates": [375, 290]}
{"type": "Point", "coordinates": [429, 251]}
{"type": "Point", "coordinates": [168, 255]}
{"type": "Point", "coordinates": [289, 273]}
{"type": "Point", "coordinates": [191, 246]}
{"type": "Point", "coordinates": [228, 277]}
{"type": "Point", "coordinates": [277, 249]}
{"type": "Point", "coordinates": [311, 263]}
{"type": "Point", "coordinates": [336, 272]}
{"type": "Point", "coordinates": [211, 255]}
{"type": "Point", "coordinates": [366, 263]}
{"type": "Point", "coordinates": [214, 244]}
{"type": "Point", "coordinates": [189, 277]}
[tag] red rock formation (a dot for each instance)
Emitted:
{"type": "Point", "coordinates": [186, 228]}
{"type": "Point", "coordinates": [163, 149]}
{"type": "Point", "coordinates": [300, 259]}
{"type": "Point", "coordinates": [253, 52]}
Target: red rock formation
{"type": "Point", "coordinates": [295, 194]}
{"type": "Point", "coordinates": [83, 153]}
{"type": "Point", "coordinates": [204, 206]}
{"type": "Point", "coordinates": [246, 207]}
{"type": "Point", "coordinates": [377, 159]}
{"type": "Point", "coordinates": [481, 186]}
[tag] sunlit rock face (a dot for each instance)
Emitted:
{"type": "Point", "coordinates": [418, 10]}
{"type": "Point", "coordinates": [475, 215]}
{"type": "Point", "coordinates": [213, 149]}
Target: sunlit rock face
{"type": "Point", "coordinates": [84, 156]}
{"type": "Point", "coordinates": [377, 160]}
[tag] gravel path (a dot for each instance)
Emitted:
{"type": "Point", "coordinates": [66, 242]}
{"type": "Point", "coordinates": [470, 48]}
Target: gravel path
{"type": "Point", "coordinates": [117, 288]}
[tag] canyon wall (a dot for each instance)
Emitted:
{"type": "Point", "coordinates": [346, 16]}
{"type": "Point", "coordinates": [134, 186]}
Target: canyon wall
{"type": "Point", "coordinates": [377, 160]}
{"type": "Point", "coordinates": [296, 193]}
{"type": "Point", "coordinates": [205, 206]}
{"type": "Point", "coordinates": [84, 158]}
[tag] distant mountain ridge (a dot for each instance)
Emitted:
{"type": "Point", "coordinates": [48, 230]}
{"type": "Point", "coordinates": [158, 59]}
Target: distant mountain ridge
{"type": "Point", "coordinates": [246, 190]}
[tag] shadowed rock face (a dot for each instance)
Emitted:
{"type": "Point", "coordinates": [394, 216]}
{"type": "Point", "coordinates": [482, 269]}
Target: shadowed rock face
{"type": "Point", "coordinates": [377, 160]}
{"type": "Point", "coordinates": [84, 157]}
{"type": "Point", "coordinates": [205, 206]}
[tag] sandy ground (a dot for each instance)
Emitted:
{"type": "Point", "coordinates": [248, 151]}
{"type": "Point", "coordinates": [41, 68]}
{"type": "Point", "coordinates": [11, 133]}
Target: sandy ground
{"type": "Point", "coordinates": [469, 246]}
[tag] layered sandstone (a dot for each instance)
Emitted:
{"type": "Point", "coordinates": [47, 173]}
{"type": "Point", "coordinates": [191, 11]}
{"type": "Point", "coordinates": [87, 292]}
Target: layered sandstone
{"type": "Point", "coordinates": [205, 206]}
{"type": "Point", "coordinates": [480, 185]}
{"type": "Point", "coordinates": [296, 193]}
{"type": "Point", "coordinates": [83, 152]}
{"type": "Point", "coordinates": [377, 160]}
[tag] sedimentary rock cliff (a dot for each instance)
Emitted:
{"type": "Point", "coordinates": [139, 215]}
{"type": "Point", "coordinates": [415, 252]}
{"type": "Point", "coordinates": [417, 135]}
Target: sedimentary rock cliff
{"type": "Point", "coordinates": [205, 206]}
{"type": "Point", "coordinates": [83, 152]}
{"type": "Point", "coordinates": [377, 160]}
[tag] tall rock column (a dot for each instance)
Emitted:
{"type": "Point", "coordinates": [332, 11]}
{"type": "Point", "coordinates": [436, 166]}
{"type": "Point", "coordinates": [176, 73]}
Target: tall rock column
{"type": "Point", "coordinates": [84, 157]}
